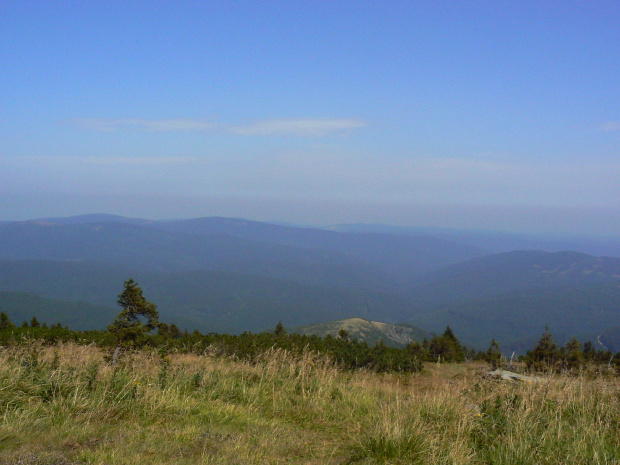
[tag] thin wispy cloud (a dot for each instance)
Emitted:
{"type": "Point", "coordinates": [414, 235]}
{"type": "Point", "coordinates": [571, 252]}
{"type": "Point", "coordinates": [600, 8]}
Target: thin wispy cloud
{"type": "Point", "coordinates": [144, 125]}
{"type": "Point", "coordinates": [611, 126]}
{"type": "Point", "coordinates": [299, 127]}
{"type": "Point", "coordinates": [45, 162]}
{"type": "Point", "coordinates": [282, 127]}
{"type": "Point", "coordinates": [141, 161]}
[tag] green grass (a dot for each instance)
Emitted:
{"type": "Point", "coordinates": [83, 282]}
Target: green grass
{"type": "Point", "coordinates": [66, 405]}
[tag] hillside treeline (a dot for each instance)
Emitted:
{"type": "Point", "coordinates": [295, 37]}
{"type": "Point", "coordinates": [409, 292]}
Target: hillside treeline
{"type": "Point", "coordinates": [348, 354]}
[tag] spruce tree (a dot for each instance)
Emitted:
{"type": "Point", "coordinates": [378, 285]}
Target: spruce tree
{"type": "Point", "coordinates": [138, 317]}
{"type": "Point", "coordinates": [545, 354]}
{"type": "Point", "coordinates": [573, 355]}
{"type": "Point", "coordinates": [279, 331]}
{"type": "Point", "coordinates": [589, 352]}
{"type": "Point", "coordinates": [493, 355]}
{"type": "Point", "coordinates": [169, 330]}
{"type": "Point", "coordinates": [5, 322]}
{"type": "Point", "coordinates": [447, 347]}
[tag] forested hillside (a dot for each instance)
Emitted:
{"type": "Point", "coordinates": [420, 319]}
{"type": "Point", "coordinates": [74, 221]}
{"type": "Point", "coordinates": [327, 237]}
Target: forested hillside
{"type": "Point", "coordinates": [497, 274]}
{"type": "Point", "coordinates": [23, 306]}
{"type": "Point", "coordinates": [515, 318]}
{"type": "Point", "coordinates": [204, 300]}
{"type": "Point", "coordinates": [232, 275]}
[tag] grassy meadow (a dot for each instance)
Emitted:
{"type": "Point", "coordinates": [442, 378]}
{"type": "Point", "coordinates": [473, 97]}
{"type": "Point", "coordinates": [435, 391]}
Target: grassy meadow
{"type": "Point", "coordinates": [68, 404]}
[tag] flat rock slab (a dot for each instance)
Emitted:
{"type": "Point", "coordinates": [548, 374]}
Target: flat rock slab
{"type": "Point", "coordinates": [510, 376]}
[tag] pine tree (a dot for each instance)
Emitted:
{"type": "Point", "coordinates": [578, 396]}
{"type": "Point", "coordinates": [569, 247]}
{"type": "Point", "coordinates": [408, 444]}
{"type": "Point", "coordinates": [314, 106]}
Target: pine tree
{"type": "Point", "coordinates": [493, 355]}
{"type": "Point", "coordinates": [589, 352]}
{"type": "Point", "coordinates": [415, 354]}
{"type": "Point", "coordinates": [545, 355]}
{"type": "Point", "coordinates": [5, 322]}
{"type": "Point", "coordinates": [169, 330]}
{"type": "Point", "coordinates": [34, 323]}
{"type": "Point", "coordinates": [279, 331]}
{"type": "Point", "coordinates": [573, 355]}
{"type": "Point", "coordinates": [129, 327]}
{"type": "Point", "coordinates": [447, 347]}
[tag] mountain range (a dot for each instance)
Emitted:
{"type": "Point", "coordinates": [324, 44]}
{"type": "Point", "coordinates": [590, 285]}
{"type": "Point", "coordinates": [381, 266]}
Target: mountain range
{"type": "Point", "coordinates": [235, 275]}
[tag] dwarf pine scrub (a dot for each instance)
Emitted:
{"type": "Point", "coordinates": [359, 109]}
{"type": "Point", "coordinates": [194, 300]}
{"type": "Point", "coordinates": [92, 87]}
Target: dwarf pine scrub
{"type": "Point", "coordinates": [68, 404]}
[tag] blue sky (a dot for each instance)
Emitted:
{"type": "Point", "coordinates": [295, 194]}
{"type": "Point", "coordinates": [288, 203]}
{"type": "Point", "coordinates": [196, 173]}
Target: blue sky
{"type": "Point", "coordinates": [488, 115]}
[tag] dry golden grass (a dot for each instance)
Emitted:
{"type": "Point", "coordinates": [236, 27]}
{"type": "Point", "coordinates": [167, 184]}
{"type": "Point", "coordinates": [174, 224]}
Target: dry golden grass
{"type": "Point", "coordinates": [66, 405]}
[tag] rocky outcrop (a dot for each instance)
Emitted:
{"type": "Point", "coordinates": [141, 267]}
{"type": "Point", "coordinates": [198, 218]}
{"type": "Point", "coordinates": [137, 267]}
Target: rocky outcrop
{"type": "Point", "coordinates": [511, 376]}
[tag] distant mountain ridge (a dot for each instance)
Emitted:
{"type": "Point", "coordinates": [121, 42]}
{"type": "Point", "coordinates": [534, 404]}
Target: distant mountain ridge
{"type": "Point", "coordinates": [498, 242]}
{"type": "Point", "coordinates": [512, 296]}
{"type": "Point", "coordinates": [496, 274]}
{"type": "Point", "coordinates": [402, 257]}
{"type": "Point", "coordinates": [234, 275]}
{"type": "Point", "coordinates": [93, 218]}
{"type": "Point", "coordinates": [233, 245]}
{"type": "Point", "coordinates": [160, 250]}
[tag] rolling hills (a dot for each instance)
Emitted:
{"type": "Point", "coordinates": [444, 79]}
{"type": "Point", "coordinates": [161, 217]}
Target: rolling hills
{"type": "Point", "coordinates": [517, 319]}
{"type": "Point", "coordinates": [308, 256]}
{"type": "Point", "coordinates": [22, 306]}
{"type": "Point", "coordinates": [233, 275]}
{"type": "Point", "coordinates": [400, 257]}
{"type": "Point", "coordinates": [499, 242]}
{"type": "Point", "coordinates": [495, 274]}
{"type": "Point", "coordinates": [210, 301]}
{"type": "Point", "coordinates": [512, 296]}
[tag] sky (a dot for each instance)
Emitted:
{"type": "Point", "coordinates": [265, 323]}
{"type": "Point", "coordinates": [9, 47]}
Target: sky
{"type": "Point", "coordinates": [497, 115]}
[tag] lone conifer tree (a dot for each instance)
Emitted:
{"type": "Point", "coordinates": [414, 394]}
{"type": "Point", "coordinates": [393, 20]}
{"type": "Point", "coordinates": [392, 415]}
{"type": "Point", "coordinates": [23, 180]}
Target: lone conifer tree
{"type": "Point", "coordinates": [494, 355]}
{"type": "Point", "coordinates": [545, 354]}
{"type": "Point", "coordinates": [572, 355]}
{"type": "Point", "coordinates": [5, 322]}
{"type": "Point", "coordinates": [447, 347]}
{"type": "Point", "coordinates": [129, 327]}
{"type": "Point", "coordinates": [279, 331]}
